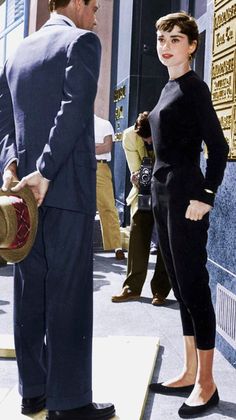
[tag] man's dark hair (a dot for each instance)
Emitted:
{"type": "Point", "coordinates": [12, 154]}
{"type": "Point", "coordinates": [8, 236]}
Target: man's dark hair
{"type": "Point", "coordinates": [54, 4]}
{"type": "Point", "coordinates": [142, 126]}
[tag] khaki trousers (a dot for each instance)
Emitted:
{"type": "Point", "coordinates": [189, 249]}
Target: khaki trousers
{"type": "Point", "coordinates": [138, 256]}
{"type": "Point", "coordinates": [109, 219]}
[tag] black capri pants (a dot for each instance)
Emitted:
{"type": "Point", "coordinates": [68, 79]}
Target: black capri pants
{"type": "Point", "coordinates": [183, 245]}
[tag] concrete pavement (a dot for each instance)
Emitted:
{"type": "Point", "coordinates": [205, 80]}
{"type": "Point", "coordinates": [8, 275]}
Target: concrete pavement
{"type": "Point", "coordinates": [137, 318]}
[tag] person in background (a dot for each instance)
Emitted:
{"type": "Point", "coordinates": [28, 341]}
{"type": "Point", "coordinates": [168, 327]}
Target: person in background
{"type": "Point", "coordinates": [137, 144]}
{"type": "Point", "coordinates": [182, 199]}
{"type": "Point", "coordinates": [109, 219]}
{"type": "Point", "coordinates": [48, 88]}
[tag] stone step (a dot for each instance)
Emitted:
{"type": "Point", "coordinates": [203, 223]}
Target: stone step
{"type": "Point", "coordinates": [7, 349]}
{"type": "Point", "coordinates": [122, 369]}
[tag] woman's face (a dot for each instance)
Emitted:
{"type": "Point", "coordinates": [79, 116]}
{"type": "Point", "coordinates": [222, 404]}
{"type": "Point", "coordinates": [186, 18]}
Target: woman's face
{"type": "Point", "coordinates": [173, 48]}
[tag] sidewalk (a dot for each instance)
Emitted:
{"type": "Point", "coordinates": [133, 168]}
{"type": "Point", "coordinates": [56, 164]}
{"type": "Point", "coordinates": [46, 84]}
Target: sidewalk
{"type": "Point", "coordinates": [138, 318]}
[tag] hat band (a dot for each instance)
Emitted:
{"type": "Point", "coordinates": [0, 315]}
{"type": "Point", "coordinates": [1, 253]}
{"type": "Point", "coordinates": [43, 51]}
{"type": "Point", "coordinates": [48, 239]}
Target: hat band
{"type": "Point", "coordinates": [23, 222]}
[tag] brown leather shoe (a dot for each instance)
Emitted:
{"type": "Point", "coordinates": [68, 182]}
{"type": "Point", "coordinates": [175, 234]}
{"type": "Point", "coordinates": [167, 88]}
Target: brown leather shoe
{"type": "Point", "coordinates": [157, 300]}
{"type": "Point", "coordinates": [120, 254]}
{"type": "Point", "coordinates": [125, 295]}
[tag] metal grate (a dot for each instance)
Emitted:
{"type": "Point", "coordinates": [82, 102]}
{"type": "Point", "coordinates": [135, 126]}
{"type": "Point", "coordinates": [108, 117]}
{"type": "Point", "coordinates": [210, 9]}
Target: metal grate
{"type": "Point", "coordinates": [226, 314]}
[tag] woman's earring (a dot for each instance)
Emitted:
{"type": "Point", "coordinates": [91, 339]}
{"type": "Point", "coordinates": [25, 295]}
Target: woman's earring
{"type": "Point", "coordinates": [190, 57]}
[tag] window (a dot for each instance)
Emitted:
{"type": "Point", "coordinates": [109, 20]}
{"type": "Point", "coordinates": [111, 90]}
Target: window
{"type": "Point", "coordinates": [197, 8]}
{"type": "Point", "coordinates": [11, 26]}
{"type": "Point", "coordinates": [199, 61]}
{"type": "Point", "coordinates": [15, 11]}
{"type": "Point", "coordinates": [184, 5]}
{"type": "Point", "coordinates": [13, 38]}
{"type": "Point", "coordinates": [2, 16]}
{"type": "Point", "coordinates": [2, 51]}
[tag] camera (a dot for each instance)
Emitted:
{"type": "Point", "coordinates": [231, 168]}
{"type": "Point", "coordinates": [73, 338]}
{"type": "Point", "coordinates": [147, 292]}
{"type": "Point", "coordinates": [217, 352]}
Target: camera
{"type": "Point", "coordinates": [145, 176]}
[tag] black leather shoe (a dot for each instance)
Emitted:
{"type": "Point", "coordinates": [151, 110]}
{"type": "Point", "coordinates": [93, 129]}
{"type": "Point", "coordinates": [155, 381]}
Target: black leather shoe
{"type": "Point", "coordinates": [188, 411]}
{"type": "Point", "coordinates": [170, 390]}
{"type": "Point", "coordinates": [91, 411]}
{"type": "Point", "coordinates": [33, 405]}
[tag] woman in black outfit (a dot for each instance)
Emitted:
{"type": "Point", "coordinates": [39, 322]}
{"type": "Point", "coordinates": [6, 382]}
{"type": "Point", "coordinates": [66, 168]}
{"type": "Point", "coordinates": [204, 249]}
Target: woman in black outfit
{"type": "Point", "coordinates": [182, 198]}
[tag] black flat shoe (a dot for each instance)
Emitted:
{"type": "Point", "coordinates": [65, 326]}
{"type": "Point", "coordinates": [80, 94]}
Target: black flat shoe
{"type": "Point", "coordinates": [170, 390]}
{"type": "Point", "coordinates": [188, 411]}
{"type": "Point", "coordinates": [33, 405]}
{"type": "Point", "coordinates": [91, 411]}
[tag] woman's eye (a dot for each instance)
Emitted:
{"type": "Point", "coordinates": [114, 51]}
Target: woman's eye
{"type": "Point", "coordinates": [175, 40]}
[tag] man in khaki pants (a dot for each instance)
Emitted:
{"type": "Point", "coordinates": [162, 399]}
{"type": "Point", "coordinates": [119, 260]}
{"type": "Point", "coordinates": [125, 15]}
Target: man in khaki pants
{"type": "Point", "coordinates": [108, 214]}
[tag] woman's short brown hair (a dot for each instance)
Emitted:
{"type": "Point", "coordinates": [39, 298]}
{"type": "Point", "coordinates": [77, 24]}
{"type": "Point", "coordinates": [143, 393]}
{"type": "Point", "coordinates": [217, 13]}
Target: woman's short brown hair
{"type": "Point", "coordinates": [142, 126]}
{"type": "Point", "coordinates": [185, 22]}
{"type": "Point", "coordinates": [54, 4]}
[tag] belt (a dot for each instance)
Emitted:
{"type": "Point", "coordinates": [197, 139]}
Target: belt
{"type": "Point", "coordinates": [102, 160]}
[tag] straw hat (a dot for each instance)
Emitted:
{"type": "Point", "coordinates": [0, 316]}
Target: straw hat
{"type": "Point", "coordinates": [18, 223]}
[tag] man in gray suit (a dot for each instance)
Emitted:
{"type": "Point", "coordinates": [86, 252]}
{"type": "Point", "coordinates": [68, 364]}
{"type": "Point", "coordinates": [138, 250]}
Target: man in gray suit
{"type": "Point", "coordinates": [47, 92]}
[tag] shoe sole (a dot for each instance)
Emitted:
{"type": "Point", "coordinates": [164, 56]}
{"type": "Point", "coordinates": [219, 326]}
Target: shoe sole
{"type": "Point", "coordinates": [107, 416]}
{"type": "Point", "coordinates": [158, 303]}
{"type": "Point", "coordinates": [27, 411]}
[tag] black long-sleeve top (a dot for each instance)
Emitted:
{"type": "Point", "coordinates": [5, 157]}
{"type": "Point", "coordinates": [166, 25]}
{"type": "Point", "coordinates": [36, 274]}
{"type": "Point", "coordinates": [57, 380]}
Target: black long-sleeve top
{"type": "Point", "coordinates": [184, 117]}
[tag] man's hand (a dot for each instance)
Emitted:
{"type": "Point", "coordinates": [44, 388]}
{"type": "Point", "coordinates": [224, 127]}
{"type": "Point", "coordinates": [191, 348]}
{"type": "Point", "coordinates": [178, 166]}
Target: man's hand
{"type": "Point", "coordinates": [196, 210]}
{"type": "Point", "coordinates": [9, 175]}
{"type": "Point", "coordinates": [134, 178]}
{"type": "Point", "coordinates": [37, 183]}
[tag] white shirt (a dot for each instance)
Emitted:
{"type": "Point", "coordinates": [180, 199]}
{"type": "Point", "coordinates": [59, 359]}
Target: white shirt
{"type": "Point", "coordinates": [55, 15]}
{"type": "Point", "coordinates": [103, 128]}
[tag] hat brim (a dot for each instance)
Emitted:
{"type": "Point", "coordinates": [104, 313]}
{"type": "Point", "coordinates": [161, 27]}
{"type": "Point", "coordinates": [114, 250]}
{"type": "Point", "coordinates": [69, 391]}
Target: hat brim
{"type": "Point", "coordinates": [17, 255]}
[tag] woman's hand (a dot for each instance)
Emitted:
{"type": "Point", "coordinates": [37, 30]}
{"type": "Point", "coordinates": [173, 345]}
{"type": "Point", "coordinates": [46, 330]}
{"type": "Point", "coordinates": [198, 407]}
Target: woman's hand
{"type": "Point", "coordinates": [196, 210]}
{"type": "Point", "coordinates": [134, 178]}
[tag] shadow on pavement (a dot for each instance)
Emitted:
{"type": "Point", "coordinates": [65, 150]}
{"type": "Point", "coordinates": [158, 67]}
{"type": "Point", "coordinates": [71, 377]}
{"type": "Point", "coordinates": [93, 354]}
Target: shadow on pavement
{"type": "Point", "coordinates": [170, 303]}
{"type": "Point", "coordinates": [108, 264]}
{"type": "Point", "coordinates": [98, 284]}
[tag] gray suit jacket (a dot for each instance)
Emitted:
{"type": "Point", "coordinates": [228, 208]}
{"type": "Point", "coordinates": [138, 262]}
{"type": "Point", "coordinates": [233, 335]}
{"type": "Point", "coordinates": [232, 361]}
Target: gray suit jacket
{"type": "Point", "coordinates": [47, 93]}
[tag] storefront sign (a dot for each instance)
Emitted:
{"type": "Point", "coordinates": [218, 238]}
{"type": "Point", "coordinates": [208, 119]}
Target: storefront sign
{"type": "Point", "coordinates": [120, 99]}
{"type": "Point", "coordinates": [219, 2]}
{"type": "Point", "coordinates": [225, 116]}
{"type": "Point", "coordinates": [119, 93]}
{"type": "Point", "coordinates": [223, 81]}
{"type": "Point", "coordinates": [119, 112]}
{"type": "Point", "coordinates": [224, 27]}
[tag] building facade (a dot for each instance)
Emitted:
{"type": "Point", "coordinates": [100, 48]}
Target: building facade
{"type": "Point", "coordinates": [13, 26]}
{"type": "Point", "coordinates": [136, 81]}
{"type": "Point", "coordinates": [130, 82]}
